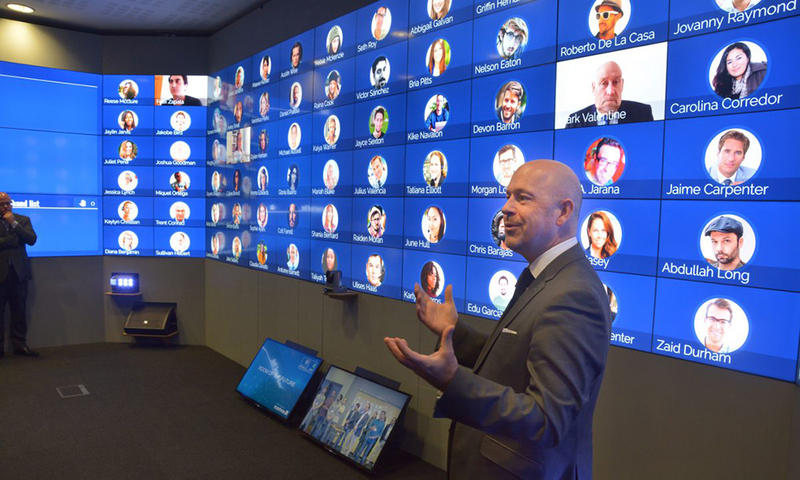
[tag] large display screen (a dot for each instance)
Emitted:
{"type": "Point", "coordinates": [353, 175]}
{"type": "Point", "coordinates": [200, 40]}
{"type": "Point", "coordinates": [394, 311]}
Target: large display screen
{"type": "Point", "coordinates": [50, 145]}
{"type": "Point", "coordinates": [353, 416]}
{"type": "Point", "coordinates": [380, 144]}
{"type": "Point", "coordinates": [153, 157]}
{"type": "Point", "coordinates": [278, 376]}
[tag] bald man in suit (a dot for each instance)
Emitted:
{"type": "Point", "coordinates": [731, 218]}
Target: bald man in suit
{"type": "Point", "coordinates": [522, 398]}
{"type": "Point", "coordinates": [15, 270]}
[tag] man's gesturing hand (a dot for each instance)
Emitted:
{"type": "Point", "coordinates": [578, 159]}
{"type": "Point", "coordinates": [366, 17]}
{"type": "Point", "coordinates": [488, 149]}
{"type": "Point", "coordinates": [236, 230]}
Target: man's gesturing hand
{"type": "Point", "coordinates": [436, 316]}
{"type": "Point", "coordinates": [438, 368]}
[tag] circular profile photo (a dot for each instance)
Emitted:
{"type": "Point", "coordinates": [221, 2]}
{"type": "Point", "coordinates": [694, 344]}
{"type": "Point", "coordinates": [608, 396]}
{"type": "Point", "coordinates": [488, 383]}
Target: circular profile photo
{"type": "Point", "coordinates": [376, 270]}
{"type": "Point", "coordinates": [501, 288]}
{"type": "Point", "coordinates": [378, 122]}
{"type": "Point", "coordinates": [238, 79]}
{"type": "Point", "coordinates": [438, 9]}
{"type": "Point", "coordinates": [216, 155]}
{"type": "Point", "coordinates": [296, 55]}
{"type": "Point", "coordinates": [292, 257]}
{"type": "Point", "coordinates": [179, 181]}
{"type": "Point", "coordinates": [608, 18]}
{"type": "Point", "coordinates": [179, 211]}
{"type": "Point", "coordinates": [379, 72]}
{"type": "Point", "coordinates": [438, 57]}
{"type": "Point", "coordinates": [295, 95]}
{"type": "Point", "coordinates": [128, 240]}
{"type": "Point", "coordinates": [128, 211]}
{"type": "Point", "coordinates": [263, 104]}
{"type": "Point", "coordinates": [216, 182]}
{"type": "Point", "coordinates": [217, 243]}
{"type": "Point", "coordinates": [728, 242]}
{"type": "Point", "coordinates": [721, 325]}
{"type": "Point", "coordinates": [510, 102]}
{"type": "Point", "coordinates": [612, 302]}
{"type": "Point", "coordinates": [292, 176]}
{"type": "Point", "coordinates": [731, 6]}
{"type": "Point", "coordinates": [216, 90]}
{"type": "Point", "coordinates": [128, 89]}
{"type": "Point", "coordinates": [180, 121]}
{"type": "Point", "coordinates": [294, 136]}
{"type": "Point", "coordinates": [604, 161]}
{"type": "Point", "coordinates": [128, 120]}
{"type": "Point", "coordinates": [601, 234]}
{"type": "Point", "coordinates": [261, 253]}
{"type": "Point", "coordinates": [733, 156]}
{"type": "Point", "coordinates": [329, 261]}
{"type": "Point", "coordinates": [506, 161]}
{"type": "Point", "coordinates": [265, 67]}
{"type": "Point", "coordinates": [437, 113]}
{"type": "Point", "coordinates": [332, 129]}
{"type": "Point", "coordinates": [262, 215]}
{"type": "Point", "coordinates": [434, 169]}
{"type": "Point", "coordinates": [292, 215]}
{"type": "Point", "coordinates": [377, 171]}
{"type": "Point", "coordinates": [220, 124]}
{"type": "Point", "coordinates": [217, 212]}
{"type": "Point", "coordinates": [330, 218]}
{"type": "Point", "coordinates": [237, 112]}
{"type": "Point", "coordinates": [236, 213]}
{"type": "Point", "coordinates": [236, 247]}
{"type": "Point", "coordinates": [433, 224]}
{"type": "Point", "coordinates": [127, 181]}
{"type": "Point", "coordinates": [263, 141]}
{"type": "Point", "coordinates": [334, 41]}
{"type": "Point", "coordinates": [381, 23]}
{"type": "Point", "coordinates": [738, 69]}
{"type": "Point", "coordinates": [180, 151]}
{"type": "Point", "coordinates": [128, 150]}
{"type": "Point", "coordinates": [376, 221]}
{"type": "Point", "coordinates": [237, 175]}
{"type": "Point", "coordinates": [263, 179]}
{"type": "Point", "coordinates": [333, 85]}
{"type": "Point", "coordinates": [179, 242]}
{"type": "Point", "coordinates": [512, 38]}
{"type": "Point", "coordinates": [431, 278]}
{"type": "Point", "coordinates": [498, 229]}
{"type": "Point", "coordinates": [330, 174]}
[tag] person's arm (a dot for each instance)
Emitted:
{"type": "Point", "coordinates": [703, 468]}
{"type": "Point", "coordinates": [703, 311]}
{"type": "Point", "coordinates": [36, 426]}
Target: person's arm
{"type": "Point", "coordinates": [467, 344]}
{"type": "Point", "coordinates": [430, 121]}
{"type": "Point", "coordinates": [8, 242]}
{"type": "Point", "coordinates": [24, 230]}
{"type": "Point", "coordinates": [565, 360]}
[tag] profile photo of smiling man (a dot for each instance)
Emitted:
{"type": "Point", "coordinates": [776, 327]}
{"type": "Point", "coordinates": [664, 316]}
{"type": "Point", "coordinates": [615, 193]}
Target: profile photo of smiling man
{"type": "Point", "coordinates": [726, 234]}
{"type": "Point", "coordinates": [731, 151]}
{"type": "Point", "coordinates": [607, 14]}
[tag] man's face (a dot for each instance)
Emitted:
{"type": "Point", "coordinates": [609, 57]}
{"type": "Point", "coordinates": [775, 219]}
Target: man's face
{"type": "Point", "coordinates": [510, 105]}
{"type": "Point", "coordinates": [292, 215]}
{"type": "Point", "coordinates": [295, 94]}
{"type": "Point", "coordinates": [501, 230]}
{"type": "Point", "coordinates": [381, 70]}
{"type": "Point", "coordinates": [730, 156]}
{"type": "Point", "coordinates": [177, 177]}
{"type": "Point", "coordinates": [295, 56]}
{"type": "Point", "coordinates": [5, 203]}
{"type": "Point", "coordinates": [378, 122]}
{"type": "Point", "coordinates": [718, 321]}
{"type": "Point", "coordinates": [607, 88]}
{"type": "Point", "coordinates": [335, 43]}
{"type": "Point", "coordinates": [377, 169]}
{"type": "Point", "coordinates": [177, 87]}
{"type": "Point", "coordinates": [374, 270]}
{"type": "Point", "coordinates": [608, 158]}
{"type": "Point", "coordinates": [180, 121]}
{"type": "Point", "coordinates": [293, 136]}
{"type": "Point", "coordinates": [439, 104]}
{"type": "Point", "coordinates": [180, 214]}
{"type": "Point", "coordinates": [380, 16]}
{"type": "Point", "coordinates": [510, 42]}
{"type": "Point", "coordinates": [530, 214]}
{"type": "Point", "coordinates": [726, 247]}
{"type": "Point", "coordinates": [375, 221]}
{"type": "Point", "coordinates": [607, 19]}
{"type": "Point", "coordinates": [503, 284]}
{"type": "Point", "coordinates": [508, 163]}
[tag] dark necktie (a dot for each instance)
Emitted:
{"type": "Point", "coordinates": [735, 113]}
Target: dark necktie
{"type": "Point", "coordinates": [727, 182]}
{"type": "Point", "coordinates": [524, 280]}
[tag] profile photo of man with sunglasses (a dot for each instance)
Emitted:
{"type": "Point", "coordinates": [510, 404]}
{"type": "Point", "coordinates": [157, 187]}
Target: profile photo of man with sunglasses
{"type": "Point", "coordinates": [607, 14]}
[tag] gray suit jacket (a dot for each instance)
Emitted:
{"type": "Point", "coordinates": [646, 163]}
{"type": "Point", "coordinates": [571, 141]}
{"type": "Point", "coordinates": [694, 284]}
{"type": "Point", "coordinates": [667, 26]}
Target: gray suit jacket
{"type": "Point", "coordinates": [522, 403]}
{"type": "Point", "coordinates": [12, 247]}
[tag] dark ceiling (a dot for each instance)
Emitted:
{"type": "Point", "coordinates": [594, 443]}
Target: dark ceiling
{"type": "Point", "coordinates": [135, 17]}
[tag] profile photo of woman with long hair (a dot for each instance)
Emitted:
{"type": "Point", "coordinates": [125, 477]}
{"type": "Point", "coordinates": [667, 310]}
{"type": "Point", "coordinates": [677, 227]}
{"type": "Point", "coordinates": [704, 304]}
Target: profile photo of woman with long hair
{"type": "Point", "coordinates": [600, 230]}
{"type": "Point", "coordinates": [737, 76]}
{"type": "Point", "coordinates": [437, 57]}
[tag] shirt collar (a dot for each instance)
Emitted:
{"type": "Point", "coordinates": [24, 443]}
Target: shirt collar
{"type": "Point", "coordinates": [542, 261]}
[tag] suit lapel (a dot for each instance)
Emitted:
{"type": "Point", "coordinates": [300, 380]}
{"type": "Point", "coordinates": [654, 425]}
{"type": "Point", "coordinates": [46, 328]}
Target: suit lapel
{"type": "Point", "coordinates": [534, 289]}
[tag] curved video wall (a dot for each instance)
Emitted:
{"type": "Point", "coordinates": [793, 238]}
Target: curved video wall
{"type": "Point", "coordinates": [380, 144]}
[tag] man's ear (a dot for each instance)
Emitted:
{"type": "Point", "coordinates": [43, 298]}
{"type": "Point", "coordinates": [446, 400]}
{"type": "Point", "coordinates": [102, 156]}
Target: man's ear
{"type": "Point", "coordinates": [565, 209]}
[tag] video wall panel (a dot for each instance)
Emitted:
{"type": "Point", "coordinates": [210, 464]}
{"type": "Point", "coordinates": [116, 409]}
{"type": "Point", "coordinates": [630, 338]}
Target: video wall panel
{"type": "Point", "coordinates": [381, 143]}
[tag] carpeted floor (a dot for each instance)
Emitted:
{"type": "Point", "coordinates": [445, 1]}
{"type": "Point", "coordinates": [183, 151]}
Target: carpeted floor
{"type": "Point", "coordinates": [153, 413]}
